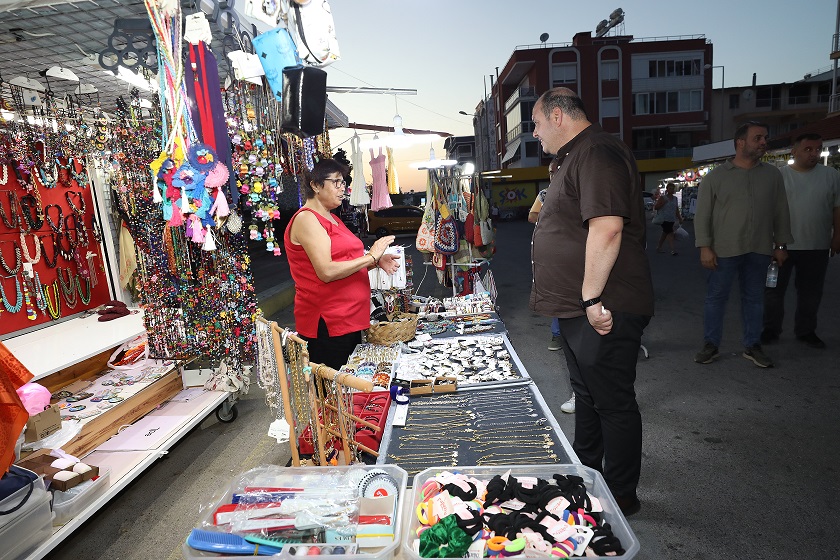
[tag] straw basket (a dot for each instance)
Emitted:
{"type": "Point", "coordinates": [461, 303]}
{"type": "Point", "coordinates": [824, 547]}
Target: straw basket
{"type": "Point", "coordinates": [401, 329]}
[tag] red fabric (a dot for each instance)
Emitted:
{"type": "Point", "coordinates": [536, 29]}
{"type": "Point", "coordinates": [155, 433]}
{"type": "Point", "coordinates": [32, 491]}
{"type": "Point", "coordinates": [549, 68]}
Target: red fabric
{"type": "Point", "coordinates": [13, 415]}
{"type": "Point", "coordinates": [344, 304]}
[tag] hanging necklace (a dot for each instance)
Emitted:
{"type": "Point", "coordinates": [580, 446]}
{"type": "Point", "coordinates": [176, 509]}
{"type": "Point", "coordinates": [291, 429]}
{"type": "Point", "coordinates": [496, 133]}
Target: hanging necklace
{"type": "Point", "coordinates": [73, 207]}
{"type": "Point", "coordinates": [41, 179]}
{"type": "Point", "coordinates": [18, 300]}
{"type": "Point", "coordinates": [25, 249]}
{"type": "Point", "coordinates": [74, 239]}
{"type": "Point", "coordinates": [69, 286]}
{"type": "Point", "coordinates": [66, 254]}
{"type": "Point", "coordinates": [80, 176]}
{"type": "Point", "coordinates": [18, 260]}
{"type": "Point", "coordinates": [30, 311]}
{"type": "Point", "coordinates": [13, 208]}
{"type": "Point", "coordinates": [35, 220]}
{"type": "Point", "coordinates": [85, 296]}
{"type": "Point", "coordinates": [5, 177]}
{"type": "Point", "coordinates": [38, 288]}
{"type": "Point", "coordinates": [53, 262]}
{"type": "Point", "coordinates": [56, 228]}
{"type": "Point", "coordinates": [54, 301]}
{"type": "Point", "coordinates": [70, 296]}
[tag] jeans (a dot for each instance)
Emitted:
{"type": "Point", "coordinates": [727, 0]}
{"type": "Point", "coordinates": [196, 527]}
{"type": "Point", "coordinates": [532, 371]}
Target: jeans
{"type": "Point", "coordinates": [810, 268]}
{"type": "Point", "coordinates": [555, 327]}
{"type": "Point", "coordinates": [608, 425]}
{"type": "Point", "coordinates": [751, 269]}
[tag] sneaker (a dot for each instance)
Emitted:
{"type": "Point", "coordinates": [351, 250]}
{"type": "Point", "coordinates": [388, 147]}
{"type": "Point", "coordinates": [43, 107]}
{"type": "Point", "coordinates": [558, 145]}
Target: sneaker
{"type": "Point", "coordinates": [707, 355]}
{"type": "Point", "coordinates": [555, 343]}
{"type": "Point", "coordinates": [811, 340]}
{"type": "Point", "coordinates": [757, 356]}
{"type": "Point", "coordinates": [569, 406]}
{"type": "Point", "coordinates": [769, 337]}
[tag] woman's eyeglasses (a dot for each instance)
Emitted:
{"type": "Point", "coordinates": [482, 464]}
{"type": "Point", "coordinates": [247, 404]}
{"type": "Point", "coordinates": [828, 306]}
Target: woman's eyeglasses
{"type": "Point", "coordinates": [337, 183]}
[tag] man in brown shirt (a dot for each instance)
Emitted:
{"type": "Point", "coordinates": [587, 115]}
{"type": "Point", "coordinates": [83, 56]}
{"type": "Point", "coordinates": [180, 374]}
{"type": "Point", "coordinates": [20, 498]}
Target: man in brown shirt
{"type": "Point", "coordinates": [590, 270]}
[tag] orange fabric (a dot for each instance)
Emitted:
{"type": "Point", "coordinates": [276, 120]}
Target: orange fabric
{"type": "Point", "coordinates": [13, 415]}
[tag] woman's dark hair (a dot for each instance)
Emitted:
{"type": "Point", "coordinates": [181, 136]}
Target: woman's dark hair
{"type": "Point", "coordinates": [319, 174]}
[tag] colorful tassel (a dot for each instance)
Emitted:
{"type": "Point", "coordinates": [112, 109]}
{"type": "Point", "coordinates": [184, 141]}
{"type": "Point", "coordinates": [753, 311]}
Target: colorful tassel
{"type": "Point", "coordinates": [209, 241]}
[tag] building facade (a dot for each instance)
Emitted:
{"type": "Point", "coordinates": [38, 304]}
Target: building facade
{"type": "Point", "coordinates": [652, 93]}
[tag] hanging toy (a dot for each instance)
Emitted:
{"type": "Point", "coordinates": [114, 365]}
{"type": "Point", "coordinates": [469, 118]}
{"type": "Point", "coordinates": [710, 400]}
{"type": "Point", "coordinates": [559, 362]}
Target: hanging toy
{"type": "Point", "coordinates": [202, 157]}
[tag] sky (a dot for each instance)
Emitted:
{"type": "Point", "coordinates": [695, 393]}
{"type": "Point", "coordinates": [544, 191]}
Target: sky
{"type": "Point", "coordinates": [446, 50]}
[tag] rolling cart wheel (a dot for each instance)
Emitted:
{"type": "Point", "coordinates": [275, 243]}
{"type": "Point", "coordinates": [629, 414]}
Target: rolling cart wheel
{"type": "Point", "coordinates": [228, 416]}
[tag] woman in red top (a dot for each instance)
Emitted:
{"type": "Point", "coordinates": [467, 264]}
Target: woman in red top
{"type": "Point", "coordinates": [329, 266]}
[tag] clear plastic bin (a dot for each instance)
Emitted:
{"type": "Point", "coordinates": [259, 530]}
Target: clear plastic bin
{"type": "Point", "coordinates": [67, 505]}
{"type": "Point", "coordinates": [28, 527]}
{"type": "Point", "coordinates": [595, 485]}
{"type": "Point", "coordinates": [308, 477]}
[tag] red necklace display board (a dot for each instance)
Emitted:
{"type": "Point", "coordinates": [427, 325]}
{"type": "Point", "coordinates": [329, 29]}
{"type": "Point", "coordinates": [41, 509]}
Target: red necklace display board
{"type": "Point", "coordinates": [51, 265]}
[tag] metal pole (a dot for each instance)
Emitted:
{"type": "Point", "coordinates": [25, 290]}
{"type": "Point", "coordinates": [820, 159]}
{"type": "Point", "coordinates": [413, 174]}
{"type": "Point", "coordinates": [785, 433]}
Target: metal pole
{"type": "Point", "coordinates": [723, 98]}
{"type": "Point", "coordinates": [831, 100]}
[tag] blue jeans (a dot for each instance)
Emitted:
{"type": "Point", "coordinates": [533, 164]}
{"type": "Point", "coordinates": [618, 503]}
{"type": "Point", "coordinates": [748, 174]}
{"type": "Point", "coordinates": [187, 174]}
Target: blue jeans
{"type": "Point", "coordinates": [752, 273]}
{"type": "Point", "coordinates": [555, 327]}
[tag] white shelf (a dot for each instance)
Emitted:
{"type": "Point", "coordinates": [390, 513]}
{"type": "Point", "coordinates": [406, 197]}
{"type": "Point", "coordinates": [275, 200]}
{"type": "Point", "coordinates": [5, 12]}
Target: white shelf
{"type": "Point", "coordinates": [56, 347]}
{"type": "Point", "coordinates": [199, 407]}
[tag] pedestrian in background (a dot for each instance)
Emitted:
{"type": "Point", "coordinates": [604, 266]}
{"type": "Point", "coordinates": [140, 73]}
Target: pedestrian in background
{"type": "Point", "coordinates": [590, 270]}
{"type": "Point", "coordinates": [742, 220]}
{"type": "Point", "coordinates": [667, 214]}
{"type": "Point", "coordinates": [813, 195]}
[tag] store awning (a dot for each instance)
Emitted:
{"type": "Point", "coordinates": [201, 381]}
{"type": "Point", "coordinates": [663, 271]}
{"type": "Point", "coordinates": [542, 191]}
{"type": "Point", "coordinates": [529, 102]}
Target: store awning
{"type": "Point", "coordinates": [512, 150]}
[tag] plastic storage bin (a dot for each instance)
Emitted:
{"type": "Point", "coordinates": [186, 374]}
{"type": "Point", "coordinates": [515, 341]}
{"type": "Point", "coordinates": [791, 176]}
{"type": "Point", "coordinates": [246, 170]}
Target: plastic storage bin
{"type": "Point", "coordinates": [595, 485]}
{"type": "Point", "coordinates": [67, 505]}
{"type": "Point", "coordinates": [28, 527]}
{"type": "Point", "coordinates": [308, 477]}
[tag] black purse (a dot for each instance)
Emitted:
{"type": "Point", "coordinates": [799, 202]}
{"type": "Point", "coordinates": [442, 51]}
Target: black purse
{"type": "Point", "coordinates": [304, 104]}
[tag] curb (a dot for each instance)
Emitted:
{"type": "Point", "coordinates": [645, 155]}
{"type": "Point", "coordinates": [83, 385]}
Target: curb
{"type": "Point", "coordinates": [276, 298]}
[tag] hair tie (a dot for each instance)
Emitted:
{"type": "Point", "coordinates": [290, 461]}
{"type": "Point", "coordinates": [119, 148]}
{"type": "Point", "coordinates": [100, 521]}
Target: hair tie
{"type": "Point", "coordinates": [444, 540]}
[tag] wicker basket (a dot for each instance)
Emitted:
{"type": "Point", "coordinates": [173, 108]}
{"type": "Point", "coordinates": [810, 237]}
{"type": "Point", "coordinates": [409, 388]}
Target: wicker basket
{"type": "Point", "coordinates": [394, 331]}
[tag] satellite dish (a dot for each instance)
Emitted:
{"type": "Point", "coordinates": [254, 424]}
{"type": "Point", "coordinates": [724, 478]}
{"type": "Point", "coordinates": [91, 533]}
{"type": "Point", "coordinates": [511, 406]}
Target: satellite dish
{"type": "Point", "coordinates": [543, 37]}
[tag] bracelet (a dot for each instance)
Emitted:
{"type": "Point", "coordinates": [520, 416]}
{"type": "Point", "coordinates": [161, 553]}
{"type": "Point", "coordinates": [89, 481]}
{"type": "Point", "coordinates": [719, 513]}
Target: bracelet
{"type": "Point", "coordinates": [375, 261]}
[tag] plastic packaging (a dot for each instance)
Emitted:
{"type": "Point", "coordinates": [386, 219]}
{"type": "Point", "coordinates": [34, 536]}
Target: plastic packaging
{"type": "Point", "coordinates": [772, 274]}
{"type": "Point", "coordinates": [69, 430]}
{"type": "Point", "coordinates": [28, 526]}
{"type": "Point", "coordinates": [35, 397]}
{"type": "Point", "coordinates": [68, 504]}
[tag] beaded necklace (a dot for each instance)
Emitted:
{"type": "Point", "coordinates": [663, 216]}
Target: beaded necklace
{"type": "Point", "coordinates": [53, 301]}
{"type": "Point", "coordinates": [73, 207]}
{"type": "Point", "coordinates": [35, 220]}
{"type": "Point", "coordinates": [13, 208]}
{"type": "Point", "coordinates": [40, 176]}
{"type": "Point", "coordinates": [18, 260]}
{"type": "Point", "coordinates": [86, 295]}
{"type": "Point", "coordinates": [5, 178]}
{"type": "Point", "coordinates": [38, 288]}
{"type": "Point", "coordinates": [30, 311]}
{"type": "Point", "coordinates": [18, 300]}
{"type": "Point", "coordinates": [25, 248]}
{"type": "Point", "coordinates": [58, 225]}
{"type": "Point", "coordinates": [54, 261]}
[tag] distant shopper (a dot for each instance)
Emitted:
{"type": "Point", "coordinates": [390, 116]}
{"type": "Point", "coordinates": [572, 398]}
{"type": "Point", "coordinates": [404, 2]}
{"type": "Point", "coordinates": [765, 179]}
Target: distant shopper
{"type": "Point", "coordinates": [329, 266]}
{"type": "Point", "coordinates": [591, 271]}
{"type": "Point", "coordinates": [813, 194]}
{"type": "Point", "coordinates": [742, 222]}
{"type": "Point", "coordinates": [667, 214]}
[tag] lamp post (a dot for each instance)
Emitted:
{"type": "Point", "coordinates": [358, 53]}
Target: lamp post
{"type": "Point", "coordinates": [722, 93]}
{"type": "Point", "coordinates": [481, 141]}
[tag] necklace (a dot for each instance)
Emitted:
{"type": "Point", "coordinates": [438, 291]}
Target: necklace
{"type": "Point", "coordinates": [18, 260]}
{"type": "Point", "coordinates": [56, 228]}
{"type": "Point", "coordinates": [84, 296]}
{"type": "Point", "coordinates": [18, 300]}
{"type": "Point", "coordinates": [30, 311]}
{"type": "Point", "coordinates": [66, 254]}
{"type": "Point", "coordinates": [73, 207]}
{"type": "Point", "coordinates": [13, 208]}
{"type": "Point", "coordinates": [35, 219]}
{"type": "Point", "coordinates": [54, 301]}
{"type": "Point", "coordinates": [40, 176]}
{"type": "Point", "coordinates": [25, 249]}
{"type": "Point", "coordinates": [5, 178]}
{"type": "Point", "coordinates": [53, 262]}
{"type": "Point", "coordinates": [38, 288]}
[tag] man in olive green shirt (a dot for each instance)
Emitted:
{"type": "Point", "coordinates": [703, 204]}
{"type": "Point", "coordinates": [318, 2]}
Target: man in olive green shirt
{"type": "Point", "coordinates": [742, 223]}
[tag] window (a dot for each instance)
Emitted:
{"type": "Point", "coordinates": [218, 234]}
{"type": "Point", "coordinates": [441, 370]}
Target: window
{"type": "Point", "coordinates": [640, 103]}
{"type": "Point", "coordinates": [667, 102]}
{"type": "Point", "coordinates": [563, 74]}
{"type": "Point", "coordinates": [465, 150]}
{"type": "Point", "coordinates": [609, 70]}
{"type": "Point", "coordinates": [734, 100]}
{"type": "Point", "coordinates": [673, 67]}
{"type": "Point", "coordinates": [532, 149]}
{"type": "Point", "coordinates": [610, 107]}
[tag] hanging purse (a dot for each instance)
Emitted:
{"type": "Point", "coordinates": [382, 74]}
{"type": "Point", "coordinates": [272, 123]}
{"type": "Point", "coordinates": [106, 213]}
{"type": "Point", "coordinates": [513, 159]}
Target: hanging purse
{"type": "Point", "coordinates": [276, 50]}
{"type": "Point", "coordinates": [314, 31]}
{"type": "Point", "coordinates": [469, 223]}
{"type": "Point", "coordinates": [446, 232]}
{"type": "Point", "coordinates": [425, 241]}
{"type": "Point", "coordinates": [304, 101]}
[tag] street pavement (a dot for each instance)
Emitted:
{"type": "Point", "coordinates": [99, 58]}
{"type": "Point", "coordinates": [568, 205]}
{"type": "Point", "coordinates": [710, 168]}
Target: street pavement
{"type": "Point", "coordinates": [738, 462]}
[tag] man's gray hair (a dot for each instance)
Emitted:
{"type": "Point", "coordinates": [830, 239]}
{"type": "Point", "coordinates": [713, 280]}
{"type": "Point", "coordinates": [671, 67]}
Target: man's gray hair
{"type": "Point", "coordinates": [564, 99]}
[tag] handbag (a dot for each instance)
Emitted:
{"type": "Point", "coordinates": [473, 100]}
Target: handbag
{"type": "Point", "coordinates": [276, 50]}
{"type": "Point", "coordinates": [446, 232]}
{"type": "Point", "coordinates": [314, 30]}
{"type": "Point", "coordinates": [304, 104]}
{"type": "Point", "coordinates": [11, 483]}
{"type": "Point", "coordinates": [658, 218]}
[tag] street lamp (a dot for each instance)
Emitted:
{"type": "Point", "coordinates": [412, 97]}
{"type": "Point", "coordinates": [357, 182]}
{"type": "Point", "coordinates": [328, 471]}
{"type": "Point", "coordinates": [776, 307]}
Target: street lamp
{"type": "Point", "coordinates": [722, 93]}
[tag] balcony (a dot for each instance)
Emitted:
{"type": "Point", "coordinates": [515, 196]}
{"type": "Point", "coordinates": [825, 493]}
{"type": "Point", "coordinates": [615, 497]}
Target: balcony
{"type": "Point", "coordinates": [520, 93]}
{"type": "Point", "coordinates": [662, 153]}
{"type": "Point", "coordinates": [525, 127]}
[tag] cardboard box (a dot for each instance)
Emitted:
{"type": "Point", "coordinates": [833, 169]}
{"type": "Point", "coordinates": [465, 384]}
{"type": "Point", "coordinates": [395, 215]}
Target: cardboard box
{"type": "Point", "coordinates": [43, 424]}
{"type": "Point", "coordinates": [445, 384]}
{"type": "Point", "coordinates": [420, 387]}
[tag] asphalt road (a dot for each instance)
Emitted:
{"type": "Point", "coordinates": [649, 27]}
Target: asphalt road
{"type": "Point", "coordinates": [738, 462]}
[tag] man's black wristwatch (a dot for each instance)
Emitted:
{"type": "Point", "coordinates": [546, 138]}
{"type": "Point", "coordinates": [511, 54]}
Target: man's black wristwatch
{"type": "Point", "coordinates": [589, 302]}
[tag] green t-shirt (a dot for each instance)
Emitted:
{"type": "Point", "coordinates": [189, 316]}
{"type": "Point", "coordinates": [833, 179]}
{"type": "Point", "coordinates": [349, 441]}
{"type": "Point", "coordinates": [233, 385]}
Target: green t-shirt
{"type": "Point", "coordinates": [812, 197]}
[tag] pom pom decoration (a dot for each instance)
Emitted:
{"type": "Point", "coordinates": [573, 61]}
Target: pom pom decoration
{"type": "Point", "coordinates": [217, 176]}
{"type": "Point", "coordinates": [202, 157]}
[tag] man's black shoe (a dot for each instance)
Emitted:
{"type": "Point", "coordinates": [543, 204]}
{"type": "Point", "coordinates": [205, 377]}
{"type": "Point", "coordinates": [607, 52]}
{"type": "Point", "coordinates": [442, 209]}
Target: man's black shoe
{"type": "Point", "coordinates": [769, 337]}
{"type": "Point", "coordinates": [812, 340]}
{"type": "Point", "coordinates": [628, 505]}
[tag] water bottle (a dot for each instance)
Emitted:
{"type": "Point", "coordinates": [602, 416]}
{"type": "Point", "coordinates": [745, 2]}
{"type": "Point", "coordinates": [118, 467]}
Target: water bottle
{"type": "Point", "coordinates": [772, 274]}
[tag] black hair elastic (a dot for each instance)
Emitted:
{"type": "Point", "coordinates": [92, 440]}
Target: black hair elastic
{"type": "Point", "coordinates": [473, 525]}
{"type": "Point", "coordinates": [498, 490]}
{"type": "Point", "coordinates": [458, 492]}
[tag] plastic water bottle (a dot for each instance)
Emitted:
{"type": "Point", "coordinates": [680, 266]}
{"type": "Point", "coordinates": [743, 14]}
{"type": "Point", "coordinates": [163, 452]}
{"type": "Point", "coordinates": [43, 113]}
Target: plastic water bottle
{"type": "Point", "coordinates": [772, 274]}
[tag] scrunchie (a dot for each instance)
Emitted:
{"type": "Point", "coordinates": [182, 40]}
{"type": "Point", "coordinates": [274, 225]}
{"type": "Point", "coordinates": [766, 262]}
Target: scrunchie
{"type": "Point", "coordinates": [444, 540]}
